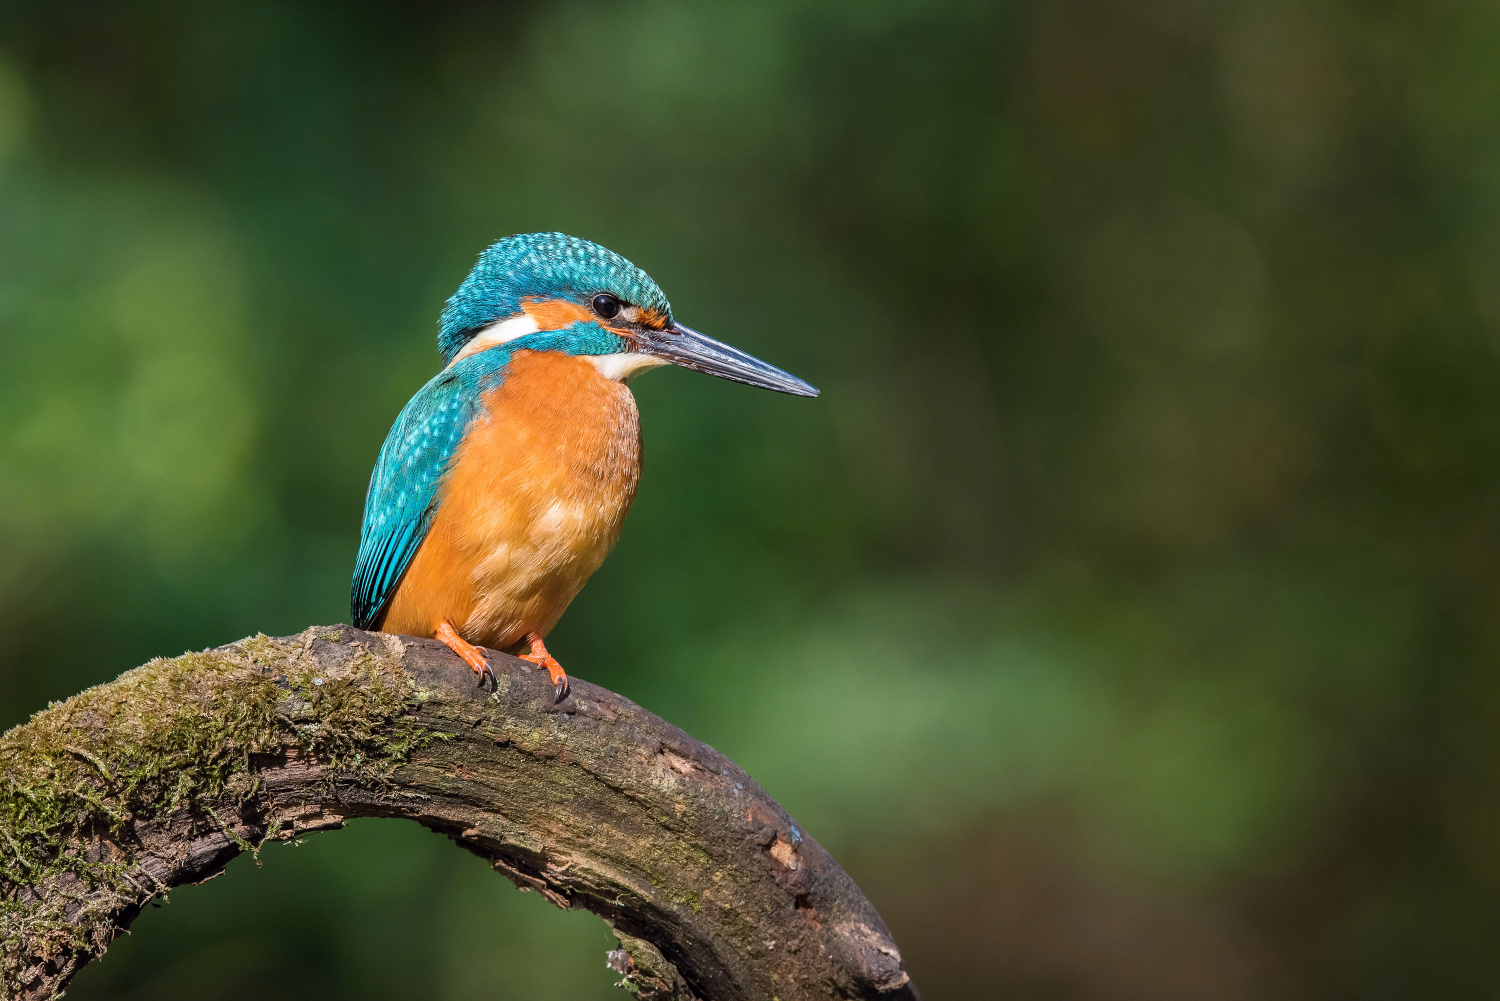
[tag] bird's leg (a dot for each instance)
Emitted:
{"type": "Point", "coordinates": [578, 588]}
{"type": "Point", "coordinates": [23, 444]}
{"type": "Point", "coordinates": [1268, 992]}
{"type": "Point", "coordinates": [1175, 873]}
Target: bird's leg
{"type": "Point", "coordinates": [538, 655]}
{"type": "Point", "coordinates": [471, 654]}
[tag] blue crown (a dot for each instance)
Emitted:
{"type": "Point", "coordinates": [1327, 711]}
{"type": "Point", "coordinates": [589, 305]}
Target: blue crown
{"type": "Point", "coordinates": [546, 265]}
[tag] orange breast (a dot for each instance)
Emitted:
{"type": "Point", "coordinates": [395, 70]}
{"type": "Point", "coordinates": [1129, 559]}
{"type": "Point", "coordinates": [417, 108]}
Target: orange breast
{"type": "Point", "coordinates": [534, 501]}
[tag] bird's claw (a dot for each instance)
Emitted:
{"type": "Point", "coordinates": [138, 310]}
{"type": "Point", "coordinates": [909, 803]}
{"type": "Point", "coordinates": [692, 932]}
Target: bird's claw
{"type": "Point", "coordinates": [476, 658]}
{"type": "Point", "coordinates": [538, 655]}
{"type": "Point", "coordinates": [486, 672]}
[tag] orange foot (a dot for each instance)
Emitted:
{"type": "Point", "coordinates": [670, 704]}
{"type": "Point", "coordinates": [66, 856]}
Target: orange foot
{"type": "Point", "coordinates": [539, 655]}
{"type": "Point", "coordinates": [468, 651]}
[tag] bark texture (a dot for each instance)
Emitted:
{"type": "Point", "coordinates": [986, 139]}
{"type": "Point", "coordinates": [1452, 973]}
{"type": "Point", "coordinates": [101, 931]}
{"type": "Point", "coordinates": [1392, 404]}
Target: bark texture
{"type": "Point", "coordinates": [161, 777]}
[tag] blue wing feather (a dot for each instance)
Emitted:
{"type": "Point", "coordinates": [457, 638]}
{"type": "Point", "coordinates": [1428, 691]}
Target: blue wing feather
{"type": "Point", "coordinates": [402, 497]}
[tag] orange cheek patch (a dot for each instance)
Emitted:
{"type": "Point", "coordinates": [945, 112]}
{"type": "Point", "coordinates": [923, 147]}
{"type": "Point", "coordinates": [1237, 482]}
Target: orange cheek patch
{"type": "Point", "coordinates": [555, 314]}
{"type": "Point", "coordinates": [654, 318]}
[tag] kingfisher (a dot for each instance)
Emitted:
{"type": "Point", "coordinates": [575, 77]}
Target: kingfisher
{"type": "Point", "coordinates": [505, 480]}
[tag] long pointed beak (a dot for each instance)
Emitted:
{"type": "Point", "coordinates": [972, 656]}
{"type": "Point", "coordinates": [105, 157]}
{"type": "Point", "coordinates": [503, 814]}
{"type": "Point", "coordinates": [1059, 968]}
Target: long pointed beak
{"type": "Point", "coordinates": [686, 347]}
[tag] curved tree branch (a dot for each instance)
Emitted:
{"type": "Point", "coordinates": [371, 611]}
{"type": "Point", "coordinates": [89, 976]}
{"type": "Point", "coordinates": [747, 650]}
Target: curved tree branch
{"type": "Point", "coordinates": [161, 777]}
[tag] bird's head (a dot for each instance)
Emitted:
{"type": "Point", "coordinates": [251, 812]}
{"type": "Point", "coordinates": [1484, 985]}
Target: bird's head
{"type": "Point", "coordinates": [591, 302]}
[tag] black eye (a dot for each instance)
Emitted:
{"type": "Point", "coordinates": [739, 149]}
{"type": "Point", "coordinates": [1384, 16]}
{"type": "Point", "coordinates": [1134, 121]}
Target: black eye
{"type": "Point", "coordinates": [606, 305]}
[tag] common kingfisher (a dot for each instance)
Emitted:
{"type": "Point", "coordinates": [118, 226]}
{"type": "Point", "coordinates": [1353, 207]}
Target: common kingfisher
{"type": "Point", "coordinates": [505, 481]}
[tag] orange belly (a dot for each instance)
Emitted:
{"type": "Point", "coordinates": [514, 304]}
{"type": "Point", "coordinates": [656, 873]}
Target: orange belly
{"type": "Point", "coordinates": [533, 502]}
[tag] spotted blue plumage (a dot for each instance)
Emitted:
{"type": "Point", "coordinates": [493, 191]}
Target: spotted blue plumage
{"type": "Point", "coordinates": [404, 488]}
{"type": "Point", "coordinates": [546, 264]}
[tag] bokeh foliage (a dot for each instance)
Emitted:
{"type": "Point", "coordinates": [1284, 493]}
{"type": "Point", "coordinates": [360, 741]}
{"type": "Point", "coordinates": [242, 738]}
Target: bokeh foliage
{"type": "Point", "coordinates": [1124, 613]}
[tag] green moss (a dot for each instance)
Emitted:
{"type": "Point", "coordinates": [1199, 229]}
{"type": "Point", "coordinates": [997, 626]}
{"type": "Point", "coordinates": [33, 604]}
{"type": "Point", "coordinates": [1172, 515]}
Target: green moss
{"type": "Point", "coordinates": [163, 733]}
{"type": "Point", "coordinates": [173, 735]}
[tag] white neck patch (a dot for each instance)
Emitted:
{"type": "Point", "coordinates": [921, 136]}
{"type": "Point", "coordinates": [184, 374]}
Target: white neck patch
{"type": "Point", "coordinates": [623, 365]}
{"type": "Point", "coordinates": [495, 334]}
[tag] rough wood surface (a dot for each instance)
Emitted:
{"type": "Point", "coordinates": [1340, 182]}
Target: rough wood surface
{"type": "Point", "coordinates": [159, 778]}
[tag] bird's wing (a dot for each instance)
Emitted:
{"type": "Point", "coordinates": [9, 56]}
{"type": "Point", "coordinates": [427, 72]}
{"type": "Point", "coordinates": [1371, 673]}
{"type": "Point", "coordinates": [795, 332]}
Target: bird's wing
{"type": "Point", "coordinates": [402, 498]}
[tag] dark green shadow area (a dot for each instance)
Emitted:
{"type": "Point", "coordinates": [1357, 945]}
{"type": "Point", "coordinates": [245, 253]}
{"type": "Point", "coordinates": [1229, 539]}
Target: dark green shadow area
{"type": "Point", "coordinates": [383, 908]}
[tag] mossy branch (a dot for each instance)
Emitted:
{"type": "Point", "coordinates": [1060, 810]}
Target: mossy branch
{"type": "Point", "coordinates": [159, 778]}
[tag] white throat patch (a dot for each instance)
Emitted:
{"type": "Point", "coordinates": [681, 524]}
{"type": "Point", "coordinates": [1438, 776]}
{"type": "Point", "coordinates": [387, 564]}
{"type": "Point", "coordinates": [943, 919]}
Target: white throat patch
{"type": "Point", "coordinates": [623, 365]}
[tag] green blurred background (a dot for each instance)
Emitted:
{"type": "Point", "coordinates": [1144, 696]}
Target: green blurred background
{"type": "Point", "coordinates": [1124, 616]}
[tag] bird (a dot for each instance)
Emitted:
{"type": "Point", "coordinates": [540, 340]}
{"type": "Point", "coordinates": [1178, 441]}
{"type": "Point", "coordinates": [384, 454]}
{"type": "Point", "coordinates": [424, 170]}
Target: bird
{"type": "Point", "coordinates": [505, 480]}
